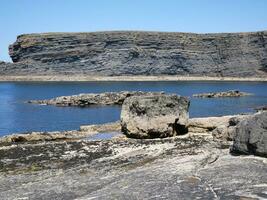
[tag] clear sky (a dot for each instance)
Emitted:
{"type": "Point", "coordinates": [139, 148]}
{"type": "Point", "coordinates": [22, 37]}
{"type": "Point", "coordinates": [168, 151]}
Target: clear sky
{"type": "Point", "coordinates": [200, 16]}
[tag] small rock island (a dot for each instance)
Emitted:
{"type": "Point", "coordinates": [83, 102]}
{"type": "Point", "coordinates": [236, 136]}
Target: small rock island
{"type": "Point", "coordinates": [230, 93]}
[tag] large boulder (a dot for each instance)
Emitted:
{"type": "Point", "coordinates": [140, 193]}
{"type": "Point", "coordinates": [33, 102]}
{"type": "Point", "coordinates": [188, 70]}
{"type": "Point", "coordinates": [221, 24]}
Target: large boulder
{"type": "Point", "coordinates": [250, 136]}
{"type": "Point", "coordinates": [154, 116]}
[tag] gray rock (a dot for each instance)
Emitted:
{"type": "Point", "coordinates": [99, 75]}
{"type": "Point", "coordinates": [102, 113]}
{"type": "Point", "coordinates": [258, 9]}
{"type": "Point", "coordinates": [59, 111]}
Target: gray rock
{"type": "Point", "coordinates": [139, 53]}
{"type": "Point", "coordinates": [250, 136]}
{"type": "Point", "coordinates": [226, 131]}
{"type": "Point", "coordinates": [170, 168]}
{"type": "Point", "coordinates": [261, 108]}
{"type": "Point", "coordinates": [154, 116]}
{"type": "Point", "coordinates": [230, 93]}
{"type": "Point", "coordinates": [85, 100]}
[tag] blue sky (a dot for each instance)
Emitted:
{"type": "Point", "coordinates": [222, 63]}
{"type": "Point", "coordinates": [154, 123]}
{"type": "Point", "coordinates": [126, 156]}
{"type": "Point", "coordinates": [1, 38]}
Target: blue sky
{"type": "Point", "coordinates": [200, 16]}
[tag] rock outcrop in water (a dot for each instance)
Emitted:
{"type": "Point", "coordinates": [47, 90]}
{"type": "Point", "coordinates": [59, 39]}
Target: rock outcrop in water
{"type": "Point", "coordinates": [85, 100]}
{"type": "Point", "coordinates": [230, 93]}
{"type": "Point", "coordinates": [154, 116]}
{"type": "Point", "coordinates": [139, 53]}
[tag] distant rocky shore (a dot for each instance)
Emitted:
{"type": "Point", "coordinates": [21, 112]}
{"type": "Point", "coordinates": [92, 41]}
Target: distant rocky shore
{"type": "Point", "coordinates": [133, 53]}
{"type": "Point", "coordinates": [85, 78]}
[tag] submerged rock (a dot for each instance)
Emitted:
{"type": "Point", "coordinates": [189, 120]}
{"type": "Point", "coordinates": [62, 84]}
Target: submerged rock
{"type": "Point", "coordinates": [83, 100]}
{"type": "Point", "coordinates": [250, 136]}
{"type": "Point", "coordinates": [154, 116]}
{"type": "Point", "coordinates": [230, 93]}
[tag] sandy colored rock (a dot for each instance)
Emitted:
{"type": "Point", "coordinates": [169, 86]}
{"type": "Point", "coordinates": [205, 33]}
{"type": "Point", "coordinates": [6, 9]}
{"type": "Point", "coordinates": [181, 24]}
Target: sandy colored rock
{"type": "Point", "coordinates": [208, 123]}
{"type": "Point", "coordinates": [221, 128]}
{"type": "Point", "coordinates": [113, 126]}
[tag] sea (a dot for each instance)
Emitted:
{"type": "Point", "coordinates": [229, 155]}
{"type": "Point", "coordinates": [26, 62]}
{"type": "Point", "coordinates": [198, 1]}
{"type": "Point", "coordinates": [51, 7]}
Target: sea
{"type": "Point", "coordinates": [18, 116]}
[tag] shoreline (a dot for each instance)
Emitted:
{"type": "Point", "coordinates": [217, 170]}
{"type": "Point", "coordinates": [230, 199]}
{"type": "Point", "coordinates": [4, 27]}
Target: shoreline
{"type": "Point", "coordinates": [196, 124]}
{"type": "Point", "coordinates": [83, 78]}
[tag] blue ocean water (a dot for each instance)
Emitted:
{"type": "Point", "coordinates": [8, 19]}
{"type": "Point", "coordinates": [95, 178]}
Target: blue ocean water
{"type": "Point", "coordinates": [18, 116]}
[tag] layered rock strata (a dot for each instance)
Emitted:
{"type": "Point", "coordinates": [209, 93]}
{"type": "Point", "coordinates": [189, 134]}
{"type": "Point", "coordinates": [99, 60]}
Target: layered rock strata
{"type": "Point", "coordinates": [139, 53]}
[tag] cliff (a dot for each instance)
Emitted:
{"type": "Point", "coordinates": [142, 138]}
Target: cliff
{"type": "Point", "coordinates": [139, 53]}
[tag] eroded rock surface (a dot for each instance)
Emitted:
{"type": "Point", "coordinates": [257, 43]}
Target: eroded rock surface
{"type": "Point", "coordinates": [250, 135]}
{"type": "Point", "coordinates": [154, 116]}
{"type": "Point", "coordinates": [230, 93]}
{"type": "Point", "coordinates": [139, 53]}
{"type": "Point", "coordinates": [191, 166]}
{"type": "Point", "coordinates": [183, 167]}
{"type": "Point", "coordinates": [83, 100]}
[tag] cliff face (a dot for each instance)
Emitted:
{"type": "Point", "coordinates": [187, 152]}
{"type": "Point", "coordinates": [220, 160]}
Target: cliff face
{"type": "Point", "coordinates": [141, 53]}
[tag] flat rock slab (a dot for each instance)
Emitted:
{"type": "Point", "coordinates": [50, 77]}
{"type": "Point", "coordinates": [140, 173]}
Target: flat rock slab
{"type": "Point", "coordinates": [171, 168]}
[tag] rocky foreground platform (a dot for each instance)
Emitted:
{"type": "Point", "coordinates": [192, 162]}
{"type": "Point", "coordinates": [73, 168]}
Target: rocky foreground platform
{"type": "Point", "coordinates": [173, 168]}
{"type": "Point", "coordinates": [197, 165]}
